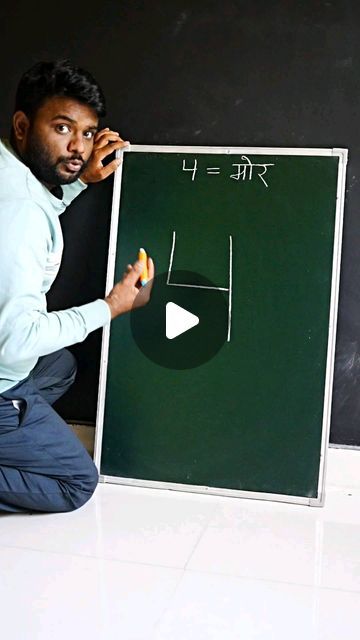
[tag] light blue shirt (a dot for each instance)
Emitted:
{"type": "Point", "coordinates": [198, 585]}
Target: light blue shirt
{"type": "Point", "coordinates": [31, 245]}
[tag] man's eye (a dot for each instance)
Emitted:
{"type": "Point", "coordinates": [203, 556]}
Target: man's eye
{"type": "Point", "coordinates": [63, 128]}
{"type": "Point", "coordinates": [88, 135]}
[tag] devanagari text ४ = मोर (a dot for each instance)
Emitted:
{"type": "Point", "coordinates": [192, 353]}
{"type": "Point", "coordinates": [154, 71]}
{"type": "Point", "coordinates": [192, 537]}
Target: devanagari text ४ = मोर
{"type": "Point", "coordinates": [244, 170]}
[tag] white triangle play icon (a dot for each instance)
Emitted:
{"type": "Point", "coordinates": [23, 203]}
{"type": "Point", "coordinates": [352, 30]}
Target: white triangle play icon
{"type": "Point", "coordinates": [178, 320]}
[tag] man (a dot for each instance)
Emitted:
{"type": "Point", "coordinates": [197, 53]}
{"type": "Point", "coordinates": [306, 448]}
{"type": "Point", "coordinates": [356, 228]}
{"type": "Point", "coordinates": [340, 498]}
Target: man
{"type": "Point", "coordinates": [55, 150]}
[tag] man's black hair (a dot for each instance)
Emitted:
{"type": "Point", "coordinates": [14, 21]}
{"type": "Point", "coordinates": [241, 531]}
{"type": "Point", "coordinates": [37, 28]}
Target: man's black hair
{"type": "Point", "coordinates": [60, 78]}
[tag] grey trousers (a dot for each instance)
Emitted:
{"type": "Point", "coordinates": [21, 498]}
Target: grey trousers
{"type": "Point", "coordinates": [43, 465]}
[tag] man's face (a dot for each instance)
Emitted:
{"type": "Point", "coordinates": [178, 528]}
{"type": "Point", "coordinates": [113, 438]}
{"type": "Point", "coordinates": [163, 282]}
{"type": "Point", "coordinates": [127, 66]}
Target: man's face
{"type": "Point", "coordinates": [59, 140]}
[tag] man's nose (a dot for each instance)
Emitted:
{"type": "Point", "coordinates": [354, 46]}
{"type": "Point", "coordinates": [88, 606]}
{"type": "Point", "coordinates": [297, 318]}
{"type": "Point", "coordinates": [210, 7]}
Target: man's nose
{"type": "Point", "coordinates": [76, 144]}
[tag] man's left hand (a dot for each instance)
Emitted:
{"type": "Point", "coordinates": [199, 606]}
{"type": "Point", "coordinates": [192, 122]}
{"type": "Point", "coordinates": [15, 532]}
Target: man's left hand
{"type": "Point", "coordinates": [105, 143]}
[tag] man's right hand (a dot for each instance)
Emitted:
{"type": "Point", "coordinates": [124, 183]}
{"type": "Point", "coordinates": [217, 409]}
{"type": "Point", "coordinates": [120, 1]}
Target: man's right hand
{"type": "Point", "coordinates": [123, 296]}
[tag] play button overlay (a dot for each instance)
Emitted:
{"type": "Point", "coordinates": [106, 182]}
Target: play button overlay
{"type": "Point", "coordinates": [185, 322]}
{"type": "Point", "coordinates": [178, 320]}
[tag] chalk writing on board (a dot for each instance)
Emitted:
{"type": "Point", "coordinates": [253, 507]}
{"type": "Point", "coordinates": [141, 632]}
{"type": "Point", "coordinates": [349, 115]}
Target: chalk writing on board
{"type": "Point", "coordinates": [194, 169]}
{"type": "Point", "coordinates": [244, 170]}
{"type": "Point", "coordinates": [199, 286]}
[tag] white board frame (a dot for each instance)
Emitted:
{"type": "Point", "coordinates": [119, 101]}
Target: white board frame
{"type": "Point", "coordinates": [333, 314]}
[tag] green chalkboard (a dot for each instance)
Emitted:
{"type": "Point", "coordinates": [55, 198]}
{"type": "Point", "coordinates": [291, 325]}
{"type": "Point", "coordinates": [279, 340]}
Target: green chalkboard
{"type": "Point", "coordinates": [253, 420]}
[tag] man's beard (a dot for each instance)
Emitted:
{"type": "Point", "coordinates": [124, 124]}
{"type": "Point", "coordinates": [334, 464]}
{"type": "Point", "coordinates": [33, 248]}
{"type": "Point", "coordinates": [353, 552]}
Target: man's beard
{"type": "Point", "coordinates": [37, 157]}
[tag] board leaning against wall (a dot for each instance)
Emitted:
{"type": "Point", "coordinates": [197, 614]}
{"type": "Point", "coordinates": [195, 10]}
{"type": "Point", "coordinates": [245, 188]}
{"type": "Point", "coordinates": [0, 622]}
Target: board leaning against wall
{"type": "Point", "coordinates": [248, 240]}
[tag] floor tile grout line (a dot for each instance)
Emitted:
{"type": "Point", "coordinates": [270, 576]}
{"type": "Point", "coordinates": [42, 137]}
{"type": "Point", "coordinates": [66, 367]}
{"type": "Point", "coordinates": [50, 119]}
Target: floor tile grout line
{"type": "Point", "coordinates": [169, 600]}
{"type": "Point", "coordinates": [185, 570]}
{"type": "Point", "coordinates": [93, 557]}
{"type": "Point", "coordinates": [271, 581]}
{"type": "Point", "coordinates": [201, 535]}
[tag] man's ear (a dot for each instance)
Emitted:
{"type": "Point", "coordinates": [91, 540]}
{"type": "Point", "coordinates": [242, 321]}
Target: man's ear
{"type": "Point", "coordinates": [21, 125]}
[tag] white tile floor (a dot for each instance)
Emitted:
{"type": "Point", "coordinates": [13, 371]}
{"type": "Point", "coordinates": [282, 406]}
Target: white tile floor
{"type": "Point", "coordinates": [142, 564]}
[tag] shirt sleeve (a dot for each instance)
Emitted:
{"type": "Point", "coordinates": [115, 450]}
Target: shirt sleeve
{"type": "Point", "coordinates": [27, 329]}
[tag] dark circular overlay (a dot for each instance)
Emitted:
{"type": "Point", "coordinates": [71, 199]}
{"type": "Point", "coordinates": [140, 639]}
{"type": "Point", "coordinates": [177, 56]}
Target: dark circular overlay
{"type": "Point", "coordinates": [195, 346]}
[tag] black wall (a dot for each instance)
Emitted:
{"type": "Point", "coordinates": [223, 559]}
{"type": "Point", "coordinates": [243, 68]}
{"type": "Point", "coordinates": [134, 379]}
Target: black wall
{"type": "Point", "coordinates": [245, 72]}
